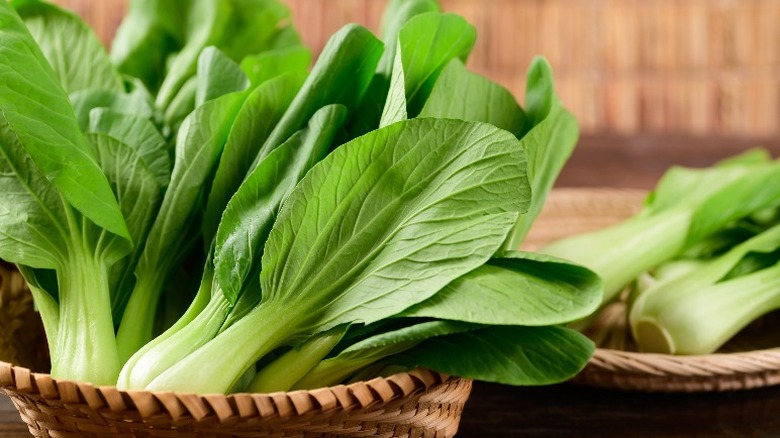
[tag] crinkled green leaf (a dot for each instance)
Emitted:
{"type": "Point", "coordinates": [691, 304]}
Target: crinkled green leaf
{"type": "Point", "coordinates": [71, 48]}
{"type": "Point", "coordinates": [426, 44]}
{"type": "Point", "coordinates": [139, 194]}
{"type": "Point", "coordinates": [140, 134]}
{"type": "Point", "coordinates": [426, 196]}
{"type": "Point", "coordinates": [361, 354]}
{"type": "Point", "coordinates": [217, 75]}
{"type": "Point", "coordinates": [461, 94]}
{"type": "Point", "coordinates": [33, 222]}
{"type": "Point", "coordinates": [258, 116]}
{"type": "Point", "coordinates": [37, 112]}
{"type": "Point", "coordinates": [396, 14]}
{"type": "Point", "coordinates": [509, 355]}
{"type": "Point", "coordinates": [517, 288]}
{"type": "Point", "coordinates": [251, 213]}
{"type": "Point", "coordinates": [341, 75]}
{"type": "Point", "coordinates": [135, 103]}
{"type": "Point", "coordinates": [270, 64]}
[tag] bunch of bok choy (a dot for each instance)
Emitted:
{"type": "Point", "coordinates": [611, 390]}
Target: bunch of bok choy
{"type": "Point", "coordinates": [700, 259]}
{"type": "Point", "coordinates": [198, 211]}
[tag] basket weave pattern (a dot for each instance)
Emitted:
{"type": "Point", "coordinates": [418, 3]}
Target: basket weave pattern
{"type": "Point", "coordinates": [19, 327]}
{"type": "Point", "coordinates": [746, 362]}
{"type": "Point", "coordinates": [667, 373]}
{"type": "Point", "coordinates": [420, 403]}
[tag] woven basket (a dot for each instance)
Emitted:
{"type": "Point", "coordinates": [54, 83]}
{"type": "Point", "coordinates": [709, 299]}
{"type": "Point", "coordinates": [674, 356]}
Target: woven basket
{"type": "Point", "coordinates": [750, 360]}
{"type": "Point", "coordinates": [420, 403]}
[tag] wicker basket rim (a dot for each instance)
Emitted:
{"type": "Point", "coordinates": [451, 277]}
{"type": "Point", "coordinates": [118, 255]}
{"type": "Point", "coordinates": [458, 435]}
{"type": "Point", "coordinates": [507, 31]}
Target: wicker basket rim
{"type": "Point", "coordinates": [279, 405]}
{"type": "Point", "coordinates": [754, 361]}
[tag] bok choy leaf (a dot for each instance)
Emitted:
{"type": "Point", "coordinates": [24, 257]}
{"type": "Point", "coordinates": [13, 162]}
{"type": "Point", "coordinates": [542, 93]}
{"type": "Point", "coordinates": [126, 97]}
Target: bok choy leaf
{"type": "Point", "coordinates": [333, 260]}
{"type": "Point", "coordinates": [243, 231]}
{"type": "Point", "coordinates": [58, 209]}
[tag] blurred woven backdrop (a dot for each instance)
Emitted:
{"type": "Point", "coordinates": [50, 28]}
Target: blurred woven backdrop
{"type": "Point", "coordinates": [622, 66]}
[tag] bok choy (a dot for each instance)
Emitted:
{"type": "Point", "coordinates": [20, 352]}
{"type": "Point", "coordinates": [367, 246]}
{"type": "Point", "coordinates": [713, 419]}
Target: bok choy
{"type": "Point", "coordinates": [699, 262]}
{"type": "Point", "coordinates": [687, 206]}
{"type": "Point", "coordinates": [198, 211]}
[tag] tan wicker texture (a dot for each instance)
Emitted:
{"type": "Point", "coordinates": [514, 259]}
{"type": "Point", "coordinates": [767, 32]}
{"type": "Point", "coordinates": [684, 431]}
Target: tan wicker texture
{"type": "Point", "coordinates": [19, 328]}
{"type": "Point", "coordinates": [628, 66]}
{"type": "Point", "coordinates": [420, 403]}
{"type": "Point", "coordinates": [749, 361]}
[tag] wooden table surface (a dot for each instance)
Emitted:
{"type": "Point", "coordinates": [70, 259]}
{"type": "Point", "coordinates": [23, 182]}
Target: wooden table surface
{"type": "Point", "coordinates": [573, 411]}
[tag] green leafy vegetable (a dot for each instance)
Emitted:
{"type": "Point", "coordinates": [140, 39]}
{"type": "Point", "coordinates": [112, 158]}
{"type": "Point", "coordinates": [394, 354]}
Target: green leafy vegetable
{"type": "Point", "coordinates": [337, 220]}
{"type": "Point", "coordinates": [346, 275]}
{"type": "Point", "coordinates": [516, 289]}
{"type": "Point", "coordinates": [270, 64]}
{"type": "Point", "coordinates": [57, 31]}
{"type": "Point", "coordinates": [686, 206]}
{"type": "Point", "coordinates": [261, 112]}
{"type": "Point", "coordinates": [375, 348]}
{"type": "Point", "coordinates": [56, 147]}
{"type": "Point", "coordinates": [341, 75]}
{"type": "Point", "coordinates": [461, 94]}
{"type": "Point", "coordinates": [198, 147]}
{"type": "Point", "coordinates": [217, 75]}
{"type": "Point", "coordinates": [697, 312]}
{"type": "Point", "coordinates": [245, 226]}
{"type": "Point", "coordinates": [140, 134]}
{"type": "Point", "coordinates": [426, 44]}
{"type": "Point", "coordinates": [513, 355]}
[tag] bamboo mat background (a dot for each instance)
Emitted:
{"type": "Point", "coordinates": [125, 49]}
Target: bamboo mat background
{"type": "Point", "coordinates": [622, 66]}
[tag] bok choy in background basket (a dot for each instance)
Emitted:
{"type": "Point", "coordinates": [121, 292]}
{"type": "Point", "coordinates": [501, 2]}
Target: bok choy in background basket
{"type": "Point", "coordinates": [694, 272]}
{"type": "Point", "coordinates": [201, 214]}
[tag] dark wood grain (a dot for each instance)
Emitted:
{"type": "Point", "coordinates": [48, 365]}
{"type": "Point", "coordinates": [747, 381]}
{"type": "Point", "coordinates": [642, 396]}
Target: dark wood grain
{"type": "Point", "coordinates": [573, 411]}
